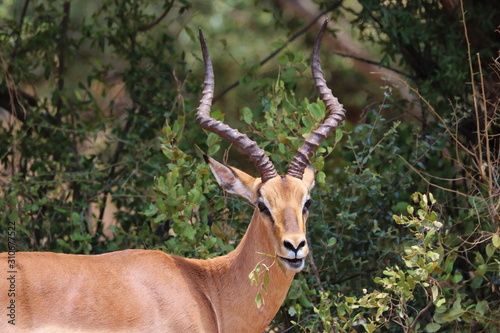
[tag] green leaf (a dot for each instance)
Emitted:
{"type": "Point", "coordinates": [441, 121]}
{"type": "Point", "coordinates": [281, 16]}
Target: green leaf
{"type": "Point", "coordinates": [160, 204]}
{"type": "Point", "coordinates": [75, 217]}
{"type": "Point", "coordinates": [253, 277]}
{"type": "Point", "coordinates": [283, 60]}
{"type": "Point", "coordinates": [338, 134]}
{"type": "Point", "coordinates": [195, 195]}
{"type": "Point", "coordinates": [216, 230]}
{"type": "Point", "coordinates": [282, 266]}
{"type": "Point", "coordinates": [160, 218]}
{"type": "Point", "coordinates": [266, 279]}
{"type": "Point", "coordinates": [307, 122]}
{"type": "Point", "coordinates": [495, 240]}
{"type": "Point", "coordinates": [210, 242]}
{"type": "Point", "coordinates": [432, 327]}
{"type": "Point", "coordinates": [457, 278]}
{"type": "Point", "coordinates": [161, 186]}
{"type": "Point", "coordinates": [13, 216]}
{"type": "Point", "coordinates": [431, 198]}
{"type": "Point", "coordinates": [370, 328]}
{"type": "Point", "coordinates": [429, 237]}
{"type": "Point", "coordinates": [212, 150]}
{"type": "Point", "coordinates": [482, 307]}
{"type": "Point", "coordinates": [172, 202]}
{"type": "Point", "coordinates": [400, 207]}
{"type": "Point", "coordinates": [212, 139]}
{"type": "Point", "coordinates": [247, 115]}
{"type": "Point", "coordinates": [258, 300]}
{"type": "Point", "coordinates": [440, 302]}
{"type": "Point", "coordinates": [490, 250]}
{"type": "Point", "coordinates": [266, 254]}
{"type": "Point", "coordinates": [152, 210]}
{"type": "Point", "coordinates": [190, 33]}
{"type": "Point", "coordinates": [281, 148]}
{"type": "Point", "coordinates": [189, 232]}
{"type": "Point", "coordinates": [481, 270]}
{"type": "Point", "coordinates": [295, 290]}
{"type": "Point", "coordinates": [304, 301]}
{"type": "Point", "coordinates": [316, 111]}
{"type": "Point", "coordinates": [456, 310]}
{"type": "Point", "coordinates": [350, 299]}
{"type": "Point", "coordinates": [435, 292]}
{"type": "Point", "coordinates": [320, 177]}
{"type": "Point", "coordinates": [332, 241]}
{"type": "Point", "coordinates": [476, 282]}
{"type": "Point", "coordinates": [282, 138]}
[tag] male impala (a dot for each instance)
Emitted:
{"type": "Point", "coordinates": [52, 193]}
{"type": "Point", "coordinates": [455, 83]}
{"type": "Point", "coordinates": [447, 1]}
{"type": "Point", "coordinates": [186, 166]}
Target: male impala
{"type": "Point", "coordinates": [150, 291]}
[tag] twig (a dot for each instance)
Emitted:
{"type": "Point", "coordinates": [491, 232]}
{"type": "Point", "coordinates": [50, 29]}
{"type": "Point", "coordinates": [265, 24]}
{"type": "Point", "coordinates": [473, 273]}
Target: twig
{"type": "Point", "coordinates": [20, 29]}
{"type": "Point", "coordinates": [412, 325]}
{"type": "Point", "coordinates": [421, 174]}
{"type": "Point", "coordinates": [61, 57]}
{"type": "Point", "coordinates": [112, 173]}
{"type": "Point", "coordinates": [315, 271]}
{"type": "Point", "coordinates": [431, 109]}
{"type": "Point", "coordinates": [354, 276]}
{"type": "Point", "coordinates": [298, 34]}
{"type": "Point", "coordinates": [11, 87]}
{"type": "Point", "coordinates": [278, 50]}
{"type": "Point", "coordinates": [158, 20]}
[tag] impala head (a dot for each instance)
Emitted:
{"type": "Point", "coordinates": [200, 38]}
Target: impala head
{"type": "Point", "coordinates": [281, 202]}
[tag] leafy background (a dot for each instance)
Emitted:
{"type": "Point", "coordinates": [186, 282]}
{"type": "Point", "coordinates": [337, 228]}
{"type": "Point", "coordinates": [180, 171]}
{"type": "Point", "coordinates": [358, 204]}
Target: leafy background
{"type": "Point", "coordinates": [99, 150]}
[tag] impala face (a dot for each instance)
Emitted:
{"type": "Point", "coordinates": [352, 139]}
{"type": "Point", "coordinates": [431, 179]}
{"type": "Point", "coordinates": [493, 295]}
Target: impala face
{"type": "Point", "coordinates": [281, 208]}
{"type": "Point", "coordinates": [283, 203]}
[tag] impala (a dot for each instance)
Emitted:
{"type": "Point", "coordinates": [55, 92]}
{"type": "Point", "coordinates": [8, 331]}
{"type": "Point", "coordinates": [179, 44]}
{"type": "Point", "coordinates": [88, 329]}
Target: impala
{"type": "Point", "coordinates": [150, 291]}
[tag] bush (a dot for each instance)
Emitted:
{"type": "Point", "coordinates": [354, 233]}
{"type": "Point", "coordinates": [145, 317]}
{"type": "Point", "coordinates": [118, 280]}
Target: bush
{"type": "Point", "coordinates": [387, 255]}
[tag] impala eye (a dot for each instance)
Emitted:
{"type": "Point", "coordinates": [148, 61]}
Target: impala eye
{"type": "Point", "coordinates": [307, 204]}
{"type": "Point", "coordinates": [263, 208]}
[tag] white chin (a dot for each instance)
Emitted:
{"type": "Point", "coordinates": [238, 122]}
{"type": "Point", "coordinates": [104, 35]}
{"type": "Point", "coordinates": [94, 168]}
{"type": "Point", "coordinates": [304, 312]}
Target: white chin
{"type": "Point", "coordinates": [294, 265]}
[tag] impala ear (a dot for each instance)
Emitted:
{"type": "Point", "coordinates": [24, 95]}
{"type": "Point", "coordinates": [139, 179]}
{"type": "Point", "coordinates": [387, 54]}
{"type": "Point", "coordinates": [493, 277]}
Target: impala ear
{"type": "Point", "coordinates": [233, 180]}
{"type": "Point", "coordinates": [309, 176]}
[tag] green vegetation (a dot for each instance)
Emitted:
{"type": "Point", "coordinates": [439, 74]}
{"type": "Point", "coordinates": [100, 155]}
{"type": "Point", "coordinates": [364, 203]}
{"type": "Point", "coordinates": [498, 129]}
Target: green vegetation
{"type": "Point", "coordinates": [97, 104]}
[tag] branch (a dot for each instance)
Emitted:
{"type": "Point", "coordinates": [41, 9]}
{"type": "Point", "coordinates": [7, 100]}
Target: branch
{"type": "Point", "coordinates": [13, 93]}
{"type": "Point", "coordinates": [158, 20]}
{"type": "Point", "coordinates": [20, 28]}
{"type": "Point", "coordinates": [374, 63]}
{"type": "Point", "coordinates": [354, 276]}
{"type": "Point", "coordinates": [315, 271]}
{"type": "Point", "coordinates": [298, 34]}
{"type": "Point", "coordinates": [109, 179]}
{"type": "Point", "coordinates": [412, 325]}
{"type": "Point", "coordinates": [10, 99]}
{"type": "Point", "coordinates": [61, 55]}
{"type": "Point", "coordinates": [278, 50]}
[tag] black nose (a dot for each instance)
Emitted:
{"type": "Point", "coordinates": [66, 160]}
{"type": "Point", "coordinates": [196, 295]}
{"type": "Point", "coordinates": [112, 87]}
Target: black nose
{"type": "Point", "coordinates": [290, 246]}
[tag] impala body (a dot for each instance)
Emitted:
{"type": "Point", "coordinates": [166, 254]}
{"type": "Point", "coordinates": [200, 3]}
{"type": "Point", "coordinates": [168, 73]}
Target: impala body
{"type": "Point", "coordinates": [150, 291]}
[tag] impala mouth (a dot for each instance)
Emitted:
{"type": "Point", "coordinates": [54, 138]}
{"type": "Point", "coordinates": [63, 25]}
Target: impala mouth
{"type": "Point", "coordinates": [294, 264]}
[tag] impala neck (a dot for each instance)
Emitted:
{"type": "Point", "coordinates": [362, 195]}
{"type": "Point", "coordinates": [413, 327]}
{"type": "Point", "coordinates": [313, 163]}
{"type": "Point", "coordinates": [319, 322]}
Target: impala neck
{"type": "Point", "coordinates": [237, 309]}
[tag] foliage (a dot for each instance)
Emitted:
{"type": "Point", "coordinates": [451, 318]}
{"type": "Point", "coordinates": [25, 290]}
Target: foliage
{"type": "Point", "coordinates": [386, 254]}
{"type": "Point", "coordinates": [429, 275]}
{"type": "Point", "coordinates": [70, 143]}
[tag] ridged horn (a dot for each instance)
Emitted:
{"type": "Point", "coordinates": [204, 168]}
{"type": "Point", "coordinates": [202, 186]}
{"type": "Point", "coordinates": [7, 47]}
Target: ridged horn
{"type": "Point", "coordinates": [258, 156]}
{"type": "Point", "coordinates": [334, 110]}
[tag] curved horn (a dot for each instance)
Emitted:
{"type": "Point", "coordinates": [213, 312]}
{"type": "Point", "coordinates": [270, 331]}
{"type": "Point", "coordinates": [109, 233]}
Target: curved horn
{"type": "Point", "coordinates": [257, 155]}
{"type": "Point", "coordinates": [334, 110]}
